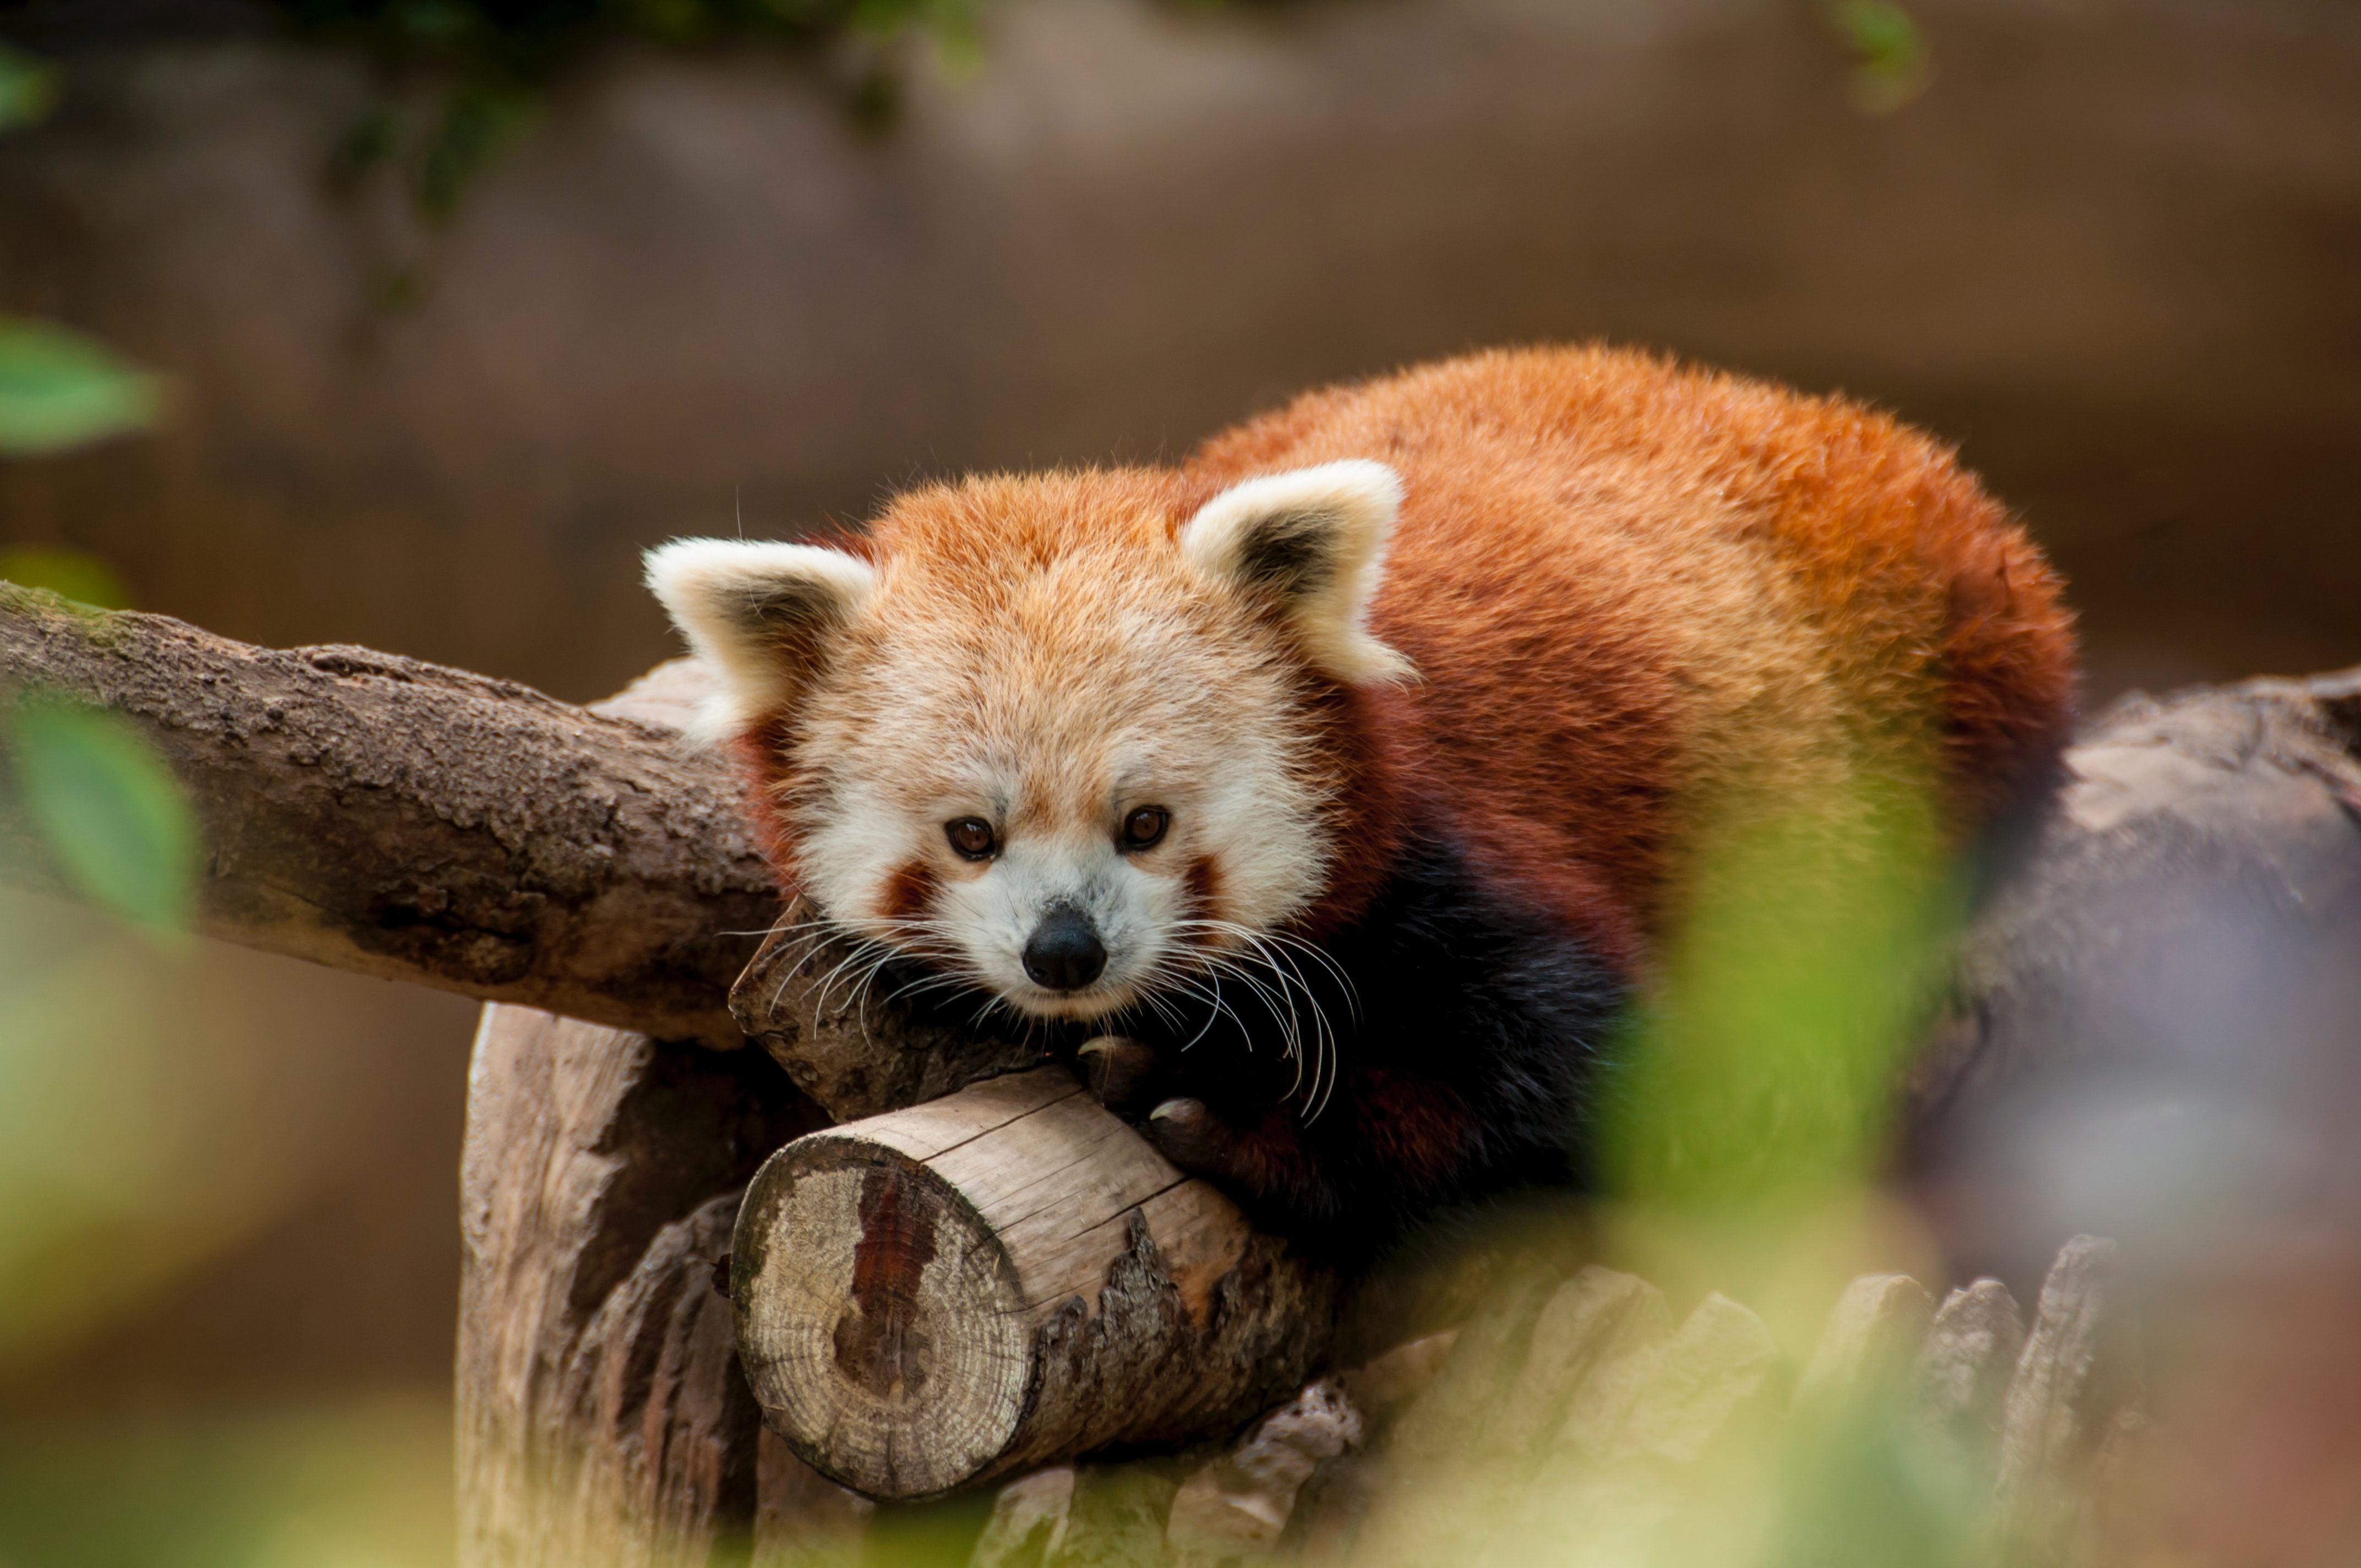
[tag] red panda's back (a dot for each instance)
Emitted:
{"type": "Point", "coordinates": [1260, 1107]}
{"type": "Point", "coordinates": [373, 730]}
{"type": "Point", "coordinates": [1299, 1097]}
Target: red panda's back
{"type": "Point", "coordinates": [1637, 592]}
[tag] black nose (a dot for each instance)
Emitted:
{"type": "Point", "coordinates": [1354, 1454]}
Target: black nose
{"type": "Point", "coordinates": [1064, 953]}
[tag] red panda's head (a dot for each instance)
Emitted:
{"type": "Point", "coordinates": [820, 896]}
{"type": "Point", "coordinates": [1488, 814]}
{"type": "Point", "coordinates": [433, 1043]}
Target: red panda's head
{"type": "Point", "coordinates": [1044, 733]}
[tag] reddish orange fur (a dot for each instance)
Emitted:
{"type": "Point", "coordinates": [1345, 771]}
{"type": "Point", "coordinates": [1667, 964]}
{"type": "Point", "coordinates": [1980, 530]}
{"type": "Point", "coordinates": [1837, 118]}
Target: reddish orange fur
{"type": "Point", "coordinates": [1652, 612]}
{"type": "Point", "coordinates": [1548, 725]}
{"type": "Point", "coordinates": [1565, 511]}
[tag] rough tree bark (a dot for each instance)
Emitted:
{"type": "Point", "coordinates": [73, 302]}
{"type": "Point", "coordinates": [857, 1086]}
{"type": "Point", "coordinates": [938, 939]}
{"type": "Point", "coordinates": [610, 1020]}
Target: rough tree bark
{"type": "Point", "coordinates": [378, 813]}
{"type": "Point", "coordinates": [417, 823]}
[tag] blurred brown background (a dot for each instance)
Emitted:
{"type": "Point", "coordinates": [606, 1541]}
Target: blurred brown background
{"type": "Point", "coordinates": [2112, 249]}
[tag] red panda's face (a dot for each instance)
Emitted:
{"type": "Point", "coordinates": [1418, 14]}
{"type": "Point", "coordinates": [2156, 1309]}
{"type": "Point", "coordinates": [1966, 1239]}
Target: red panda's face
{"type": "Point", "coordinates": [1042, 740]}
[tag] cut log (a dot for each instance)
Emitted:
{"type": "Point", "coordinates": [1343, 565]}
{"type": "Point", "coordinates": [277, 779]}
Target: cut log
{"type": "Point", "coordinates": [1002, 1278]}
{"type": "Point", "coordinates": [418, 822]}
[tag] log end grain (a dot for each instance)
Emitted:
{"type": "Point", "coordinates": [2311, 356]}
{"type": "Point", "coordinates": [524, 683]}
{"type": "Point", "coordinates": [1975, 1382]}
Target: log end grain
{"type": "Point", "coordinates": [1006, 1276]}
{"type": "Point", "coordinates": [884, 1324]}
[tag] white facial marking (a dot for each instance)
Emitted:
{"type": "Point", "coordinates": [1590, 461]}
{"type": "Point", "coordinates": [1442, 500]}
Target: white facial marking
{"type": "Point", "coordinates": [1159, 712]}
{"type": "Point", "coordinates": [1051, 692]}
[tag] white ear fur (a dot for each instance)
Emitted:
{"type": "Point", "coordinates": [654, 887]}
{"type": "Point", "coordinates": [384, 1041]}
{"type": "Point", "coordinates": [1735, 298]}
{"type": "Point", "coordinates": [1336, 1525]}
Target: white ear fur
{"type": "Point", "coordinates": [1315, 539]}
{"type": "Point", "coordinates": [760, 613]}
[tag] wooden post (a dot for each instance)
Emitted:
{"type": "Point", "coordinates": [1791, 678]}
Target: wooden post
{"type": "Point", "coordinates": [602, 1418]}
{"type": "Point", "coordinates": [1001, 1279]}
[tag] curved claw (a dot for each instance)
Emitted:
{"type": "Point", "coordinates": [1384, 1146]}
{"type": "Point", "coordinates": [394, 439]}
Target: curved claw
{"type": "Point", "coordinates": [1117, 1070]}
{"type": "Point", "coordinates": [1192, 1138]}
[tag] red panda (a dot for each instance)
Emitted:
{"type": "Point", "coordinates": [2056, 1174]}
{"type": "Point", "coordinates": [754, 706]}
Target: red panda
{"type": "Point", "coordinates": [1353, 764]}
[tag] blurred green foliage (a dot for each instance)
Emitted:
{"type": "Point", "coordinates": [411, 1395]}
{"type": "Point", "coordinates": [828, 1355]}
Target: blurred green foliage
{"type": "Point", "coordinates": [70, 574]}
{"type": "Point", "coordinates": [1751, 1111]}
{"type": "Point", "coordinates": [1765, 1069]}
{"type": "Point", "coordinates": [60, 390]}
{"type": "Point", "coordinates": [363, 1486]}
{"type": "Point", "coordinates": [122, 1161]}
{"type": "Point", "coordinates": [1891, 61]}
{"type": "Point", "coordinates": [1866, 1485]}
{"type": "Point", "coordinates": [939, 1534]}
{"type": "Point", "coordinates": [107, 808]}
{"type": "Point", "coordinates": [528, 39]}
{"type": "Point", "coordinates": [493, 58]}
{"type": "Point", "coordinates": [28, 88]}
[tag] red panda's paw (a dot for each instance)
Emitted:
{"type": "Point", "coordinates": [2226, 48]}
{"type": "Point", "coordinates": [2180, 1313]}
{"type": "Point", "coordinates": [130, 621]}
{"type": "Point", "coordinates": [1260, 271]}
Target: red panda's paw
{"type": "Point", "coordinates": [1196, 1140]}
{"type": "Point", "coordinates": [1122, 1074]}
{"type": "Point", "coordinates": [1264, 1165]}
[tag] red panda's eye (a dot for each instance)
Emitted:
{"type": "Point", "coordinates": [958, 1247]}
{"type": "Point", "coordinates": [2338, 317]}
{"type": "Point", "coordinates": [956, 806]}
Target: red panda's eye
{"type": "Point", "coordinates": [1143, 827]}
{"type": "Point", "coordinates": [971, 837]}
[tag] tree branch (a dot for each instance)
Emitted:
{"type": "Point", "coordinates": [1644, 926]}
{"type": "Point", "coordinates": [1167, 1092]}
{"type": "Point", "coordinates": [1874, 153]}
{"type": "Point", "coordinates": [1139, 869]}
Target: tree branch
{"type": "Point", "coordinates": [378, 813]}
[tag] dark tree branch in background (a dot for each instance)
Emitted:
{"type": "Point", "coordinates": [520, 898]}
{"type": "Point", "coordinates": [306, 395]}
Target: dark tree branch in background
{"type": "Point", "coordinates": [401, 819]}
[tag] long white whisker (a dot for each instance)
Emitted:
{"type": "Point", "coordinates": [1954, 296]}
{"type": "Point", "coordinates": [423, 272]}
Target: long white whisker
{"type": "Point", "coordinates": [1285, 941]}
{"type": "Point", "coordinates": [861, 994]}
{"type": "Point", "coordinates": [1324, 1044]}
{"type": "Point", "coordinates": [859, 953]}
{"type": "Point", "coordinates": [1213, 1013]}
{"type": "Point", "coordinates": [1228, 964]}
{"type": "Point", "coordinates": [1321, 1044]}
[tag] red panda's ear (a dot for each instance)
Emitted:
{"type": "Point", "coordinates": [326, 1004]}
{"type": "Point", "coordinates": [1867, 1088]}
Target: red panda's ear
{"type": "Point", "coordinates": [1312, 541]}
{"type": "Point", "coordinates": [764, 615]}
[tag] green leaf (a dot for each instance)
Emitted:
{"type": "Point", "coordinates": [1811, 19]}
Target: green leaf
{"type": "Point", "coordinates": [108, 807]}
{"type": "Point", "coordinates": [28, 88]}
{"type": "Point", "coordinates": [61, 390]}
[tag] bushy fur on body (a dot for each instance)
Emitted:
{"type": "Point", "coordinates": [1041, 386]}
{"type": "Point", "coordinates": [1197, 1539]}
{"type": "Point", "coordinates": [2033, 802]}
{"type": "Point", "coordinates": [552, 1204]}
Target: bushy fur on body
{"type": "Point", "coordinates": [1439, 679]}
